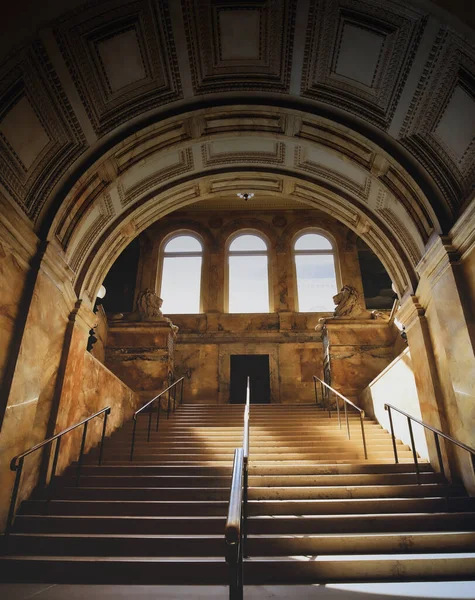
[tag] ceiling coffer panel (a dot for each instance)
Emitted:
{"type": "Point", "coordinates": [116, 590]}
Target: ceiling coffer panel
{"type": "Point", "coordinates": [39, 133]}
{"type": "Point", "coordinates": [122, 59]}
{"type": "Point", "coordinates": [357, 57]}
{"type": "Point", "coordinates": [235, 45]}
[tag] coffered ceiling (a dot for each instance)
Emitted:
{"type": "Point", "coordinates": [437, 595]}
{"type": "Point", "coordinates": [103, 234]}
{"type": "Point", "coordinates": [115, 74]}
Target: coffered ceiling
{"type": "Point", "coordinates": [364, 108]}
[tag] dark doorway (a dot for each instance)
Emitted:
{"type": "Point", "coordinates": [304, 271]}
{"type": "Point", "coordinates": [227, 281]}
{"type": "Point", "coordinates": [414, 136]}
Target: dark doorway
{"type": "Point", "coordinates": [256, 366]}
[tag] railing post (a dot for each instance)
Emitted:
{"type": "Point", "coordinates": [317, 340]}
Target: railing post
{"type": "Point", "coordinates": [326, 395]}
{"type": "Point", "coordinates": [315, 388]}
{"type": "Point", "coordinates": [363, 436]}
{"type": "Point", "coordinates": [16, 486]}
{"type": "Point", "coordinates": [168, 404]}
{"type": "Point", "coordinates": [439, 454]}
{"type": "Point", "coordinates": [337, 410]}
{"type": "Point", "coordinates": [245, 508]}
{"type": "Point", "coordinates": [347, 421]}
{"type": "Point", "coordinates": [150, 414]}
{"type": "Point", "coordinates": [55, 461]}
{"type": "Point", "coordinates": [393, 437]}
{"type": "Point", "coordinates": [83, 443]}
{"type": "Point", "coordinates": [414, 453]}
{"type": "Point", "coordinates": [104, 427]}
{"type": "Point", "coordinates": [181, 391]}
{"type": "Point", "coordinates": [158, 411]}
{"type": "Point", "coordinates": [132, 445]}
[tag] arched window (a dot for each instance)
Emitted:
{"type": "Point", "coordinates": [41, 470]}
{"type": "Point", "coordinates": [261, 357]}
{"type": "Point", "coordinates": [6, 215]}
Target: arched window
{"type": "Point", "coordinates": [248, 271]}
{"type": "Point", "coordinates": [315, 270]}
{"type": "Point", "coordinates": [181, 275]}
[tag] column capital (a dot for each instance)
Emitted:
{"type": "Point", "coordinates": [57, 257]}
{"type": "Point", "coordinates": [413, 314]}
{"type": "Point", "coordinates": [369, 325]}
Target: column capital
{"type": "Point", "coordinates": [439, 255]}
{"type": "Point", "coordinates": [410, 311]}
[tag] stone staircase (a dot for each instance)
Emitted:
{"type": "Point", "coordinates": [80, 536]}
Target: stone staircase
{"type": "Point", "coordinates": [319, 512]}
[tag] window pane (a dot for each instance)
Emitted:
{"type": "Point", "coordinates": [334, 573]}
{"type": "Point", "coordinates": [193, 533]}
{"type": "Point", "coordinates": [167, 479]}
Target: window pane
{"type": "Point", "coordinates": [312, 241]}
{"type": "Point", "coordinates": [248, 242]}
{"type": "Point", "coordinates": [316, 283]}
{"type": "Point", "coordinates": [248, 284]}
{"type": "Point", "coordinates": [183, 243]}
{"type": "Point", "coordinates": [181, 284]}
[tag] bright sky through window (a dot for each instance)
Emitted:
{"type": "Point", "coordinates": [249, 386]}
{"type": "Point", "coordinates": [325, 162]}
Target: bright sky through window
{"type": "Point", "coordinates": [315, 269]}
{"type": "Point", "coordinates": [248, 275]}
{"type": "Point", "coordinates": [181, 275]}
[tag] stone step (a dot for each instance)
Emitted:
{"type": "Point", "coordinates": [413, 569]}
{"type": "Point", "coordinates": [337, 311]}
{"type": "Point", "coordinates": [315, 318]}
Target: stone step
{"type": "Point", "coordinates": [258, 493]}
{"type": "Point", "coordinates": [258, 545]}
{"type": "Point", "coordinates": [351, 523]}
{"type": "Point", "coordinates": [213, 570]}
{"type": "Point", "coordinates": [255, 507]}
{"type": "Point", "coordinates": [347, 479]}
{"type": "Point", "coordinates": [134, 468]}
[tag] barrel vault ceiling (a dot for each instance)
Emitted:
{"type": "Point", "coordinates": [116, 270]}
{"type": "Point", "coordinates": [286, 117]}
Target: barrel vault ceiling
{"type": "Point", "coordinates": [365, 109]}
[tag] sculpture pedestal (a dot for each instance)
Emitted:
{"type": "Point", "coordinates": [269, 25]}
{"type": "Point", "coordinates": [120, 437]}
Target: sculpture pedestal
{"type": "Point", "coordinates": [355, 351]}
{"type": "Point", "coordinates": [142, 354]}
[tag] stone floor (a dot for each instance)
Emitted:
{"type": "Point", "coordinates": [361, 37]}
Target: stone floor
{"type": "Point", "coordinates": [379, 591]}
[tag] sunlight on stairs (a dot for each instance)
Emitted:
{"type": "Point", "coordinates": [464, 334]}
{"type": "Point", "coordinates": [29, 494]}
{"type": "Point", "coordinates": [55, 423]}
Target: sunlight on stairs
{"type": "Point", "coordinates": [319, 512]}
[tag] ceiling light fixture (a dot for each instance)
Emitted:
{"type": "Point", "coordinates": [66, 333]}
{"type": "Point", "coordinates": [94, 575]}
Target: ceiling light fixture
{"type": "Point", "coordinates": [246, 195]}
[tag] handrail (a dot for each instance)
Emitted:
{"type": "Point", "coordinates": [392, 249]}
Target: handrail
{"type": "Point", "coordinates": [346, 401]}
{"type": "Point", "coordinates": [16, 463]}
{"type": "Point", "coordinates": [149, 403]}
{"type": "Point", "coordinates": [235, 532]}
{"type": "Point", "coordinates": [436, 433]}
{"type": "Point", "coordinates": [233, 529]}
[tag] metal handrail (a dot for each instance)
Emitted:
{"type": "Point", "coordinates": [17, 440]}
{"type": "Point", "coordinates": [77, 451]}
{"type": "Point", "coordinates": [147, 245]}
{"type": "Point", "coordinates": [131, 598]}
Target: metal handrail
{"type": "Point", "coordinates": [171, 387]}
{"type": "Point", "coordinates": [235, 532]}
{"type": "Point", "coordinates": [16, 463]}
{"type": "Point", "coordinates": [346, 401]}
{"type": "Point", "coordinates": [436, 433]}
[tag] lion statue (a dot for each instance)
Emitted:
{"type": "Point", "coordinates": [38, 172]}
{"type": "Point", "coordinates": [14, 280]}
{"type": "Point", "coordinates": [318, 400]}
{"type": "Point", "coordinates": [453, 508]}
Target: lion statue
{"type": "Point", "coordinates": [148, 305]}
{"type": "Point", "coordinates": [346, 301]}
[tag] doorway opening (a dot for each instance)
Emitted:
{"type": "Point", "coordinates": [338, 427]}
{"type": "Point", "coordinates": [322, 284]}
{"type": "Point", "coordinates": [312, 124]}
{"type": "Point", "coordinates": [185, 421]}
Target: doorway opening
{"type": "Point", "coordinates": [255, 366]}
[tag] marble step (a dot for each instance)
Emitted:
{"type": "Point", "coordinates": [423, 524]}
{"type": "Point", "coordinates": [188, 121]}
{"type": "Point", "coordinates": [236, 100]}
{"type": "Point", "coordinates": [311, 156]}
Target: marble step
{"type": "Point", "coordinates": [350, 523]}
{"type": "Point", "coordinates": [258, 493]}
{"type": "Point", "coordinates": [347, 479]}
{"type": "Point", "coordinates": [255, 507]}
{"type": "Point", "coordinates": [258, 545]}
{"type": "Point", "coordinates": [134, 468]}
{"type": "Point", "coordinates": [213, 570]}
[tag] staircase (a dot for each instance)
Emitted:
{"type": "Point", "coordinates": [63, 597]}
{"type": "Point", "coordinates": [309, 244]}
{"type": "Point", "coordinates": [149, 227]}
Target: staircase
{"type": "Point", "coordinates": [319, 512]}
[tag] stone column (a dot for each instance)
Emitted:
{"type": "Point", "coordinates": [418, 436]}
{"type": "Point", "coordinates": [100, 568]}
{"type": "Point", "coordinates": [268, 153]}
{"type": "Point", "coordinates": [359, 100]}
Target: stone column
{"type": "Point", "coordinates": [441, 292]}
{"type": "Point", "coordinates": [147, 271]}
{"type": "Point", "coordinates": [412, 316]}
{"type": "Point", "coordinates": [283, 279]}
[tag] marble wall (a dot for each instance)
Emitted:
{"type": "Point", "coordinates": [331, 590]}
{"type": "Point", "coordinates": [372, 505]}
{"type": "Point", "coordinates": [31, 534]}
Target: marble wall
{"type": "Point", "coordinates": [396, 385]}
{"type": "Point", "coordinates": [31, 396]}
{"type": "Point", "coordinates": [356, 351]}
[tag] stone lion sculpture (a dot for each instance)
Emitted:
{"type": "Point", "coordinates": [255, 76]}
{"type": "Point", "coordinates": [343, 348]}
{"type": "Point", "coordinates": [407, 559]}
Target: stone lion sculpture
{"type": "Point", "coordinates": [149, 305]}
{"type": "Point", "coordinates": [346, 302]}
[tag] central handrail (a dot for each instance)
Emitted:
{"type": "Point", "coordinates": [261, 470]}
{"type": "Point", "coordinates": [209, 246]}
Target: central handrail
{"type": "Point", "coordinates": [173, 387]}
{"type": "Point", "coordinates": [346, 401]}
{"type": "Point", "coordinates": [436, 433]}
{"type": "Point", "coordinates": [235, 532]}
{"type": "Point", "coordinates": [16, 464]}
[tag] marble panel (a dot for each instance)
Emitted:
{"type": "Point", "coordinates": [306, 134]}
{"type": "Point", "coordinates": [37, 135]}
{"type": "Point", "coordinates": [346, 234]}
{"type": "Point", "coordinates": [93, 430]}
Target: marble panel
{"type": "Point", "coordinates": [396, 385]}
{"type": "Point", "coordinates": [24, 132]}
{"type": "Point", "coordinates": [359, 53]}
{"type": "Point", "coordinates": [456, 128]}
{"type": "Point", "coordinates": [122, 59]}
{"type": "Point", "coordinates": [27, 416]}
{"type": "Point", "coordinates": [12, 280]}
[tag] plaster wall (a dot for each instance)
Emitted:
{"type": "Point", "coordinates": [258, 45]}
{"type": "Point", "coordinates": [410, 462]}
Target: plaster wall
{"type": "Point", "coordinates": [396, 385]}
